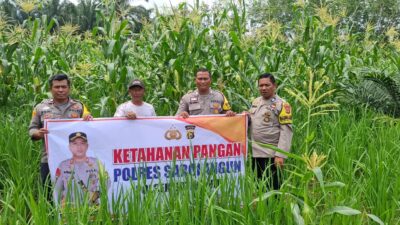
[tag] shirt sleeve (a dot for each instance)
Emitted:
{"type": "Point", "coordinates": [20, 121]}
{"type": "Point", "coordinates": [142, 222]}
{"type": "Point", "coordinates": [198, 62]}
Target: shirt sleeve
{"type": "Point", "coordinates": [285, 130]}
{"type": "Point", "coordinates": [285, 139]}
{"type": "Point", "coordinates": [35, 123]}
{"type": "Point", "coordinates": [183, 106]}
{"type": "Point", "coordinates": [153, 113]}
{"type": "Point", "coordinates": [85, 111]}
{"type": "Point", "coordinates": [226, 106]}
{"type": "Point", "coordinates": [119, 112]}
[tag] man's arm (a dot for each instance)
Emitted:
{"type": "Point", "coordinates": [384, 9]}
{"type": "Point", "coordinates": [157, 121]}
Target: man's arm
{"type": "Point", "coordinates": [36, 131]}
{"type": "Point", "coordinates": [119, 112]}
{"type": "Point", "coordinates": [183, 109]}
{"type": "Point", "coordinates": [285, 132]}
{"type": "Point", "coordinates": [153, 112]}
{"type": "Point", "coordinates": [285, 139]}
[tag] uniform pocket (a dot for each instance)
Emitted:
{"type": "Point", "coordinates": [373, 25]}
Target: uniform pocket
{"type": "Point", "coordinates": [195, 106]}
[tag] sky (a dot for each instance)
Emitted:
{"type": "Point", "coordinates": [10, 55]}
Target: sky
{"type": "Point", "coordinates": [160, 3]}
{"type": "Point", "coordinates": [166, 3]}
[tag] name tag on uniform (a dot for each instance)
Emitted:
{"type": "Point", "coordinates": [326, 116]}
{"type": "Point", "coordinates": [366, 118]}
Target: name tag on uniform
{"type": "Point", "coordinates": [194, 100]}
{"type": "Point", "coordinates": [43, 112]}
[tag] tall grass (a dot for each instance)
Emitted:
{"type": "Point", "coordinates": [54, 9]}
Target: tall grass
{"type": "Point", "coordinates": [358, 185]}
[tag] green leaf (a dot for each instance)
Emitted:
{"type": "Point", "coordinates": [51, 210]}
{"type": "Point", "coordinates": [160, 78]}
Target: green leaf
{"type": "Point", "coordinates": [343, 210]}
{"type": "Point", "coordinates": [265, 196]}
{"type": "Point", "coordinates": [297, 214]}
{"type": "Point", "coordinates": [291, 155]}
{"type": "Point", "coordinates": [310, 137]}
{"type": "Point", "coordinates": [50, 25]}
{"type": "Point", "coordinates": [376, 219]}
{"type": "Point", "coordinates": [35, 29]}
{"type": "Point", "coordinates": [235, 38]}
{"type": "Point", "coordinates": [335, 184]}
{"type": "Point", "coordinates": [110, 48]}
{"type": "Point", "coordinates": [320, 177]}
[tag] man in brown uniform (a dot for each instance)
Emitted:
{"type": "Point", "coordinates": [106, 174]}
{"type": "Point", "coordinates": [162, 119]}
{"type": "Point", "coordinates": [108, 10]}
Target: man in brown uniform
{"type": "Point", "coordinates": [204, 100]}
{"type": "Point", "coordinates": [79, 174]}
{"type": "Point", "coordinates": [271, 123]}
{"type": "Point", "coordinates": [61, 106]}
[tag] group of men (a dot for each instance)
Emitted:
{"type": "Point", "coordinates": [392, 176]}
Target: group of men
{"type": "Point", "coordinates": [270, 119]}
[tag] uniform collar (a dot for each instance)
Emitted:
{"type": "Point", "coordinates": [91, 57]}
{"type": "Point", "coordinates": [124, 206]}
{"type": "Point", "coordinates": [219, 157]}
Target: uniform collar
{"type": "Point", "coordinates": [209, 93]}
{"type": "Point", "coordinates": [72, 161]}
{"type": "Point", "coordinates": [272, 99]}
{"type": "Point", "coordinates": [70, 101]}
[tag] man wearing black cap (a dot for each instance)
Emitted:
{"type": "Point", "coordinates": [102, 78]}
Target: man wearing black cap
{"type": "Point", "coordinates": [136, 106]}
{"type": "Point", "coordinates": [61, 106]}
{"type": "Point", "coordinates": [80, 174]}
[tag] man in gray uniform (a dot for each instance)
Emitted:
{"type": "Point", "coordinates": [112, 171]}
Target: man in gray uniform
{"type": "Point", "coordinates": [271, 123]}
{"type": "Point", "coordinates": [61, 106]}
{"type": "Point", "coordinates": [204, 100]}
{"type": "Point", "coordinates": [80, 174]}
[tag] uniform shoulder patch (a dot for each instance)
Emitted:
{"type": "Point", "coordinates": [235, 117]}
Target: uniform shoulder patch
{"type": "Point", "coordinates": [256, 101]}
{"type": "Point", "coordinates": [34, 113]}
{"type": "Point", "coordinates": [285, 116]}
{"type": "Point", "coordinates": [226, 105]}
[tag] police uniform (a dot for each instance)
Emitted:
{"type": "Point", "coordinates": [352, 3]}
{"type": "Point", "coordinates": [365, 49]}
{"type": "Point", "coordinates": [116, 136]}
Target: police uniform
{"type": "Point", "coordinates": [211, 103]}
{"type": "Point", "coordinates": [78, 177]}
{"type": "Point", "coordinates": [48, 110]}
{"type": "Point", "coordinates": [271, 123]}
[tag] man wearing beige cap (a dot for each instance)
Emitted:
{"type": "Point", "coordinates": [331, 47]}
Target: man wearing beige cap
{"type": "Point", "coordinates": [79, 174]}
{"type": "Point", "coordinates": [136, 106]}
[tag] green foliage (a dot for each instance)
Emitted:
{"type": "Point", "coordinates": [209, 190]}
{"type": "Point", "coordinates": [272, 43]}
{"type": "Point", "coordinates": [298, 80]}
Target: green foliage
{"type": "Point", "coordinates": [311, 55]}
{"type": "Point", "coordinates": [379, 91]}
{"type": "Point", "coordinates": [383, 14]}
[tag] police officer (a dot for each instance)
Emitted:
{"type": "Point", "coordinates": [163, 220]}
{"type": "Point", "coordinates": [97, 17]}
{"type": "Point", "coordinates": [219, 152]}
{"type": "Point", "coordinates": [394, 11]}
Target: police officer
{"type": "Point", "coordinates": [204, 100]}
{"type": "Point", "coordinates": [80, 174]}
{"type": "Point", "coordinates": [271, 123]}
{"type": "Point", "coordinates": [59, 107]}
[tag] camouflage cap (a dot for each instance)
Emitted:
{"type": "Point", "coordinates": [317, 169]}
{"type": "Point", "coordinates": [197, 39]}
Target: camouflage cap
{"type": "Point", "coordinates": [136, 83]}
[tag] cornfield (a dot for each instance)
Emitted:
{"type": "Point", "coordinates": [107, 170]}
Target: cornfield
{"type": "Point", "coordinates": [343, 165]}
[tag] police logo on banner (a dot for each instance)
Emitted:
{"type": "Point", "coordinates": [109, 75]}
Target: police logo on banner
{"type": "Point", "coordinates": [190, 131]}
{"type": "Point", "coordinates": [173, 133]}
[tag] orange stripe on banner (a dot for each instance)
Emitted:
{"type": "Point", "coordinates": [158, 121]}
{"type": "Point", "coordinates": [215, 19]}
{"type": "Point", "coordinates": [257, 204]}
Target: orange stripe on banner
{"type": "Point", "coordinates": [233, 129]}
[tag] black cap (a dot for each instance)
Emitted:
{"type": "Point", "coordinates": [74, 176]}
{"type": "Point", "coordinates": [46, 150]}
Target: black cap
{"type": "Point", "coordinates": [136, 83]}
{"type": "Point", "coordinates": [76, 135]}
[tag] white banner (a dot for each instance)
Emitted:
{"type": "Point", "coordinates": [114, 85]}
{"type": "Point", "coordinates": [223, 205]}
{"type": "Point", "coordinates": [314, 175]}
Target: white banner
{"type": "Point", "coordinates": [154, 149]}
